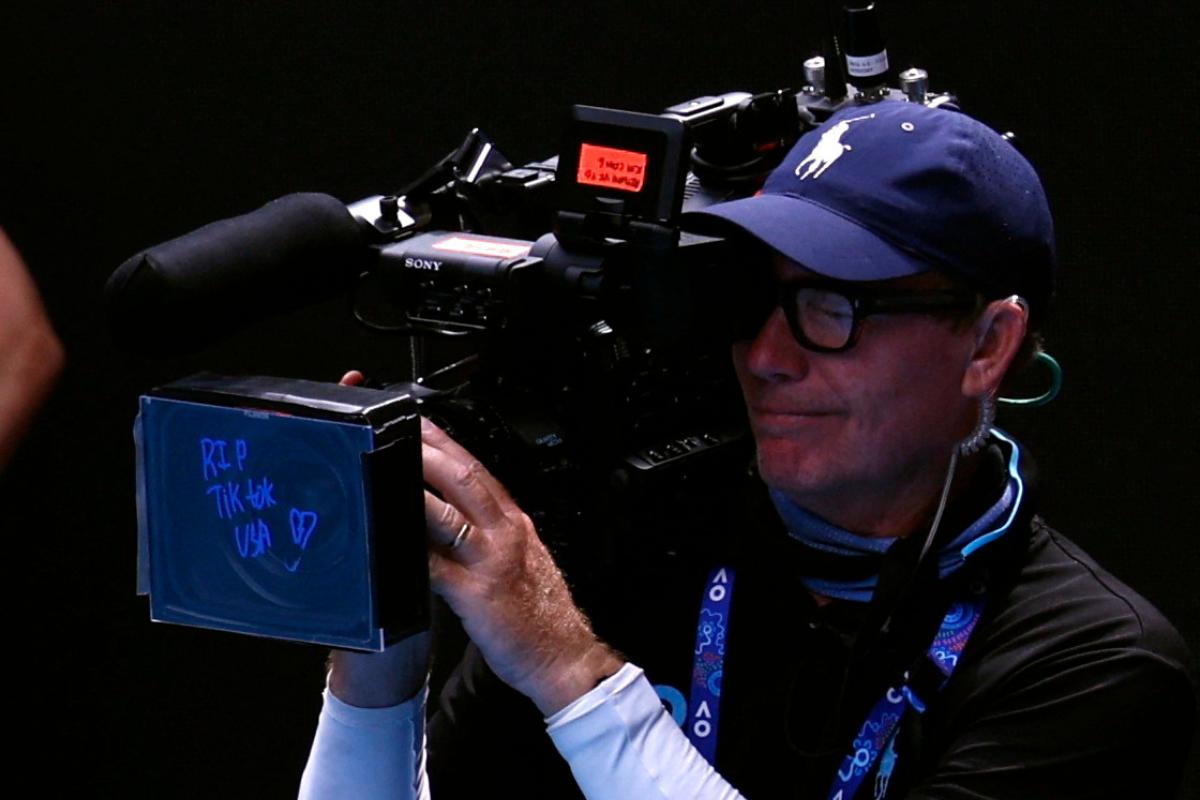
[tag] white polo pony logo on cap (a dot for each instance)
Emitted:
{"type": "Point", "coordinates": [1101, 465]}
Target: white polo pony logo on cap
{"type": "Point", "coordinates": [828, 150]}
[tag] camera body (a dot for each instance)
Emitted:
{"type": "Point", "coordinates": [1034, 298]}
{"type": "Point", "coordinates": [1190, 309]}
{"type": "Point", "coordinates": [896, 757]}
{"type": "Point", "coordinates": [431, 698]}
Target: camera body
{"type": "Point", "coordinates": [604, 351]}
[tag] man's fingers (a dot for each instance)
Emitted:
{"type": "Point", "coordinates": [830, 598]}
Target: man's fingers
{"type": "Point", "coordinates": [441, 517]}
{"type": "Point", "coordinates": [352, 378]}
{"type": "Point", "coordinates": [466, 485]}
{"type": "Point", "coordinates": [434, 437]}
{"type": "Point", "coordinates": [447, 577]}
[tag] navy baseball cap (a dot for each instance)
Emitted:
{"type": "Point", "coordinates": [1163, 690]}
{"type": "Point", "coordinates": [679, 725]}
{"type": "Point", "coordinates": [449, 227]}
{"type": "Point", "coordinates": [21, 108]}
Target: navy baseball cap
{"type": "Point", "coordinates": [897, 188]}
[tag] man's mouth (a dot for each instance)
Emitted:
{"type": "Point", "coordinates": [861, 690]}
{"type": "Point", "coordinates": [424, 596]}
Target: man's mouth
{"type": "Point", "coordinates": [787, 421]}
{"type": "Point", "coordinates": [790, 412]}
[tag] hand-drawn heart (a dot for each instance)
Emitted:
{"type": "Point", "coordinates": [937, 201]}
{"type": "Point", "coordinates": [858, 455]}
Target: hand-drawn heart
{"type": "Point", "coordinates": [303, 524]}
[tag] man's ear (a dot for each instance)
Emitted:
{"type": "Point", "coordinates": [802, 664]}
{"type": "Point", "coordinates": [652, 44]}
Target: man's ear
{"type": "Point", "coordinates": [998, 334]}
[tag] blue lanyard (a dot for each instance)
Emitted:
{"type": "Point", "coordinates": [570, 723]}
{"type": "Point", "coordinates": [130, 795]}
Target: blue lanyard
{"type": "Point", "coordinates": [699, 721]}
{"type": "Point", "coordinates": [876, 739]}
{"type": "Point", "coordinates": [708, 666]}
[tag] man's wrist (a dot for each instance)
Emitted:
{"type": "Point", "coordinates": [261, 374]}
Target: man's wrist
{"type": "Point", "coordinates": [380, 680]}
{"type": "Point", "coordinates": [577, 678]}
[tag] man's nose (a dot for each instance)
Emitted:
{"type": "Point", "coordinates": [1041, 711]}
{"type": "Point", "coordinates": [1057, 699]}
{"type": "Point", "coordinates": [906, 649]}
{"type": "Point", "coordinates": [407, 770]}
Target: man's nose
{"type": "Point", "coordinates": [774, 353]}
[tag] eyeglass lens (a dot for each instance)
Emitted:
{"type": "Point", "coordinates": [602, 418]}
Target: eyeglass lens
{"type": "Point", "coordinates": [821, 317]}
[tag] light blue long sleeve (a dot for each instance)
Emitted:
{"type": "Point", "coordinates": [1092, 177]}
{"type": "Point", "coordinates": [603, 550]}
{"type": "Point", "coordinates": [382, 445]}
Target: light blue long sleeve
{"type": "Point", "coordinates": [618, 740]}
{"type": "Point", "coordinates": [621, 743]}
{"type": "Point", "coordinates": [368, 753]}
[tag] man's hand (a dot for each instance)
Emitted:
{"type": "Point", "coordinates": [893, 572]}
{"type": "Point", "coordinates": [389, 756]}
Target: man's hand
{"type": "Point", "coordinates": [489, 564]}
{"type": "Point", "coordinates": [487, 561]}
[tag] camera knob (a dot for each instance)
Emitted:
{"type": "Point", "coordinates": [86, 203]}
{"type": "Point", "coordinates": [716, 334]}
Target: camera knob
{"type": "Point", "coordinates": [389, 208]}
{"type": "Point", "coordinates": [814, 75]}
{"type": "Point", "coordinates": [915, 83]}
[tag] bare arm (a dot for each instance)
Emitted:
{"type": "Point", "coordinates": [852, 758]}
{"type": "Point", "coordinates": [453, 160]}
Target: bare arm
{"type": "Point", "coordinates": [30, 354]}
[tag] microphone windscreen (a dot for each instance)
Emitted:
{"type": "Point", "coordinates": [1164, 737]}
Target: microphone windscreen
{"type": "Point", "coordinates": [179, 295]}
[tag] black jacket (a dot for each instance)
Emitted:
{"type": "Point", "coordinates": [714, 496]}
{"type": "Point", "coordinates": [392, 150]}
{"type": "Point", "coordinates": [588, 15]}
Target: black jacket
{"type": "Point", "coordinates": [1072, 686]}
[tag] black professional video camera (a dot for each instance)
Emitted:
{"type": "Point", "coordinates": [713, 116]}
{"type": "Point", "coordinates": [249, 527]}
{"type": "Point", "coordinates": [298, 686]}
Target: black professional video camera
{"type": "Point", "coordinates": [584, 332]}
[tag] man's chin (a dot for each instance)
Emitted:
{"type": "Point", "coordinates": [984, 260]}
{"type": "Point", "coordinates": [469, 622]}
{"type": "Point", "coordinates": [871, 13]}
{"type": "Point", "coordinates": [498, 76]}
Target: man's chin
{"type": "Point", "coordinates": [791, 469]}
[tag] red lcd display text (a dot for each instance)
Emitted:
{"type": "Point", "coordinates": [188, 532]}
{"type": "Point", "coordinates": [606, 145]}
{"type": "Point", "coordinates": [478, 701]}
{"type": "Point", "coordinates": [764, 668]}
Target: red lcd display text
{"type": "Point", "coordinates": [611, 168]}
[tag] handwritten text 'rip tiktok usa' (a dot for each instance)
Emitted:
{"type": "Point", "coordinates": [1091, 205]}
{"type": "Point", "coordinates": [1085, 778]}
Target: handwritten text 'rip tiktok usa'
{"type": "Point", "coordinates": [244, 500]}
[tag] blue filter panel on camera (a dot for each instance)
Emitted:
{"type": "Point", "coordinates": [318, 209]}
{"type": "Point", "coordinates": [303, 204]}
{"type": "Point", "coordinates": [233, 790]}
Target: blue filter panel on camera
{"type": "Point", "coordinates": [257, 522]}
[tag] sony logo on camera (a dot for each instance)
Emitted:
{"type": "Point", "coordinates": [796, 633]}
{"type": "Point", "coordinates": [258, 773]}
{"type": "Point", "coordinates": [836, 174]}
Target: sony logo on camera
{"type": "Point", "coordinates": [422, 263]}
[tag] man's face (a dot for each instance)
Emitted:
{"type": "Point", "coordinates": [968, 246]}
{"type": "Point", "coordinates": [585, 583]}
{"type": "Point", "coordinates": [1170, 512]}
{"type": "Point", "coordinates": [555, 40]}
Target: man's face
{"type": "Point", "coordinates": [849, 435]}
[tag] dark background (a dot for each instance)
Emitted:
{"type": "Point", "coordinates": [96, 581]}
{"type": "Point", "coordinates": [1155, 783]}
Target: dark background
{"type": "Point", "coordinates": [126, 124]}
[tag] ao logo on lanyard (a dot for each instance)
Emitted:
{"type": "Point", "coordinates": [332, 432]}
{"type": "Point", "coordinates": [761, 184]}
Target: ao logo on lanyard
{"type": "Point", "coordinates": [700, 715]}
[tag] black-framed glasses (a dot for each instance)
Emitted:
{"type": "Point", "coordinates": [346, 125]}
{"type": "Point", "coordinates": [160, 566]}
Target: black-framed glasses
{"type": "Point", "coordinates": [826, 315]}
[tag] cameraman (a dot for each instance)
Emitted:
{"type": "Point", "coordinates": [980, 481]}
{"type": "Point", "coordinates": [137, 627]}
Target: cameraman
{"type": "Point", "coordinates": [929, 635]}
